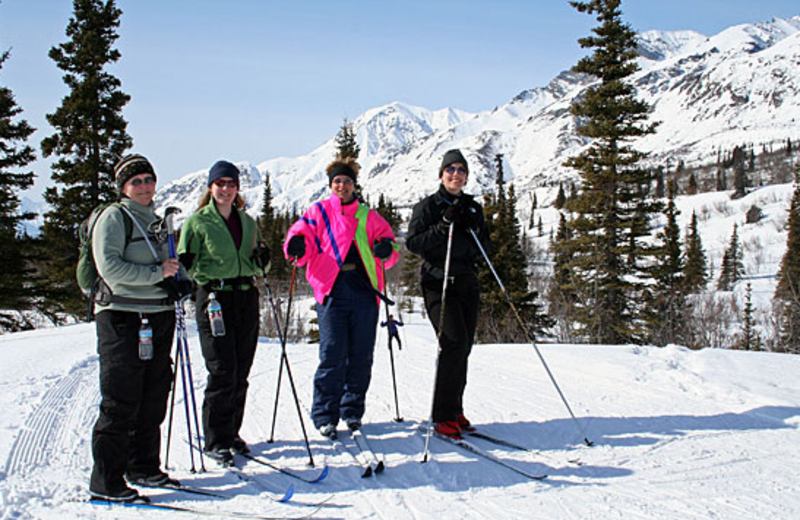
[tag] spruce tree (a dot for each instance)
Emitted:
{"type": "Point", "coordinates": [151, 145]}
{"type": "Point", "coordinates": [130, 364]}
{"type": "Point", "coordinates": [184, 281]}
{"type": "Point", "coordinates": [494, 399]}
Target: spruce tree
{"type": "Point", "coordinates": [346, 144]}
{"type": "Point", "coordinates": [560, 295]}
{"type": "Point", "coordinates": [273, 230]}
{"type": "Point", "coordinates": [497, 321]}
{"type": "Point", "coordinates": [561, 198]}
{"type": "Point", "coordinates": [695, 269]}
{"type": "Point", "coordinates": [388, 211]}
{"type": "Point", "coordinates": [612, 211]}
{"type": "Point", "coordinates": [739, 173]}
{"type": "Point", "coordinates": [90, 137]}
{"type": "Point", "coordinates": [692, 187]}
{"type": "Point", "coordinates": [668, 310]}
{"type": "Point", "coordinates": [748, 336]}
{"type": "Point", "coordinates": [347, 147]}
{"type": "Point", "coordinates": [732, 269]}
{"type": "Point", "coordinates": [660, 190]}
{"type": "Point", "coordinates": [16, 290]}
{"type": "Point", "coordinates": [787, 292]}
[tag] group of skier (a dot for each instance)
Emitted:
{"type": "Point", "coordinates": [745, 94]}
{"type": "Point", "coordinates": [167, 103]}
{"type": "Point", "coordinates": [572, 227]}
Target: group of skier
{"type": "Point", "coordinates": [345, 248]}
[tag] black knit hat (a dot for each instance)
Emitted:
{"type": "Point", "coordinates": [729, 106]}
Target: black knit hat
{"type": "Point", "coordinates": [223, 169]}
{"type": "Point", "coordinates": [341, 168]}
{"type": "Point", "coordinates": [131, 166]}
{"type": "Point", "coordinates": [451, 157]}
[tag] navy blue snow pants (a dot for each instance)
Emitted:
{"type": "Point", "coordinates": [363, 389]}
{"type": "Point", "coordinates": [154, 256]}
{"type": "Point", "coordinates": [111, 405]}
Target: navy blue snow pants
{"type": "Point", "coordinates": [347, 324]}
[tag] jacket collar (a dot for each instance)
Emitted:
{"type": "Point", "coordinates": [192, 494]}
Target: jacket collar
{"type": "Point", "coordinates": [442, 196]}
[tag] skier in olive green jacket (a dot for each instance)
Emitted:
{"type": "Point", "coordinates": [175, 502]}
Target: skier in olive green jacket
{"type": "Point", "coordinates": [134, 269]}
{"type": "Point", "coordinates": [220, 246]}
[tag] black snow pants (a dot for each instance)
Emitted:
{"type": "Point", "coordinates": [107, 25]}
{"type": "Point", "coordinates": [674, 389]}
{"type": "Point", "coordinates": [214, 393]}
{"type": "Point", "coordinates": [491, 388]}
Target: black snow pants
{"type": "Point", "coordinates": [127, 435]}
{"type": "Point", "coordinates": [462, 305]}
{"type": "Point", "coordinates": [228, 361]}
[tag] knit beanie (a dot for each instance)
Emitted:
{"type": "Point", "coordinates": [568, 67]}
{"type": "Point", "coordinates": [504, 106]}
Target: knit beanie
{"type": "Point", "coordinates": [131, 166]}
{"type": "Point", "coordinates": [341, 168]}
{"type": "Point", "coordinates": [223, 169]}
{"type": "Point", "coordinates": [452, 157]}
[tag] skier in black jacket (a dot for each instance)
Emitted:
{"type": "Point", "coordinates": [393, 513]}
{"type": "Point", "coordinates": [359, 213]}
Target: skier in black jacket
{"type": "Point", "coordinates": [427, 237]}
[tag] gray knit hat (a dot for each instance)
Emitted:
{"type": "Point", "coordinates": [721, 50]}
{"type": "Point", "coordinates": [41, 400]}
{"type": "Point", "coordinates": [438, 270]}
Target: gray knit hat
{"type": "Point", "coordinates": [451, 157]}
{"type": "Point", "coordinates": [131, 166]}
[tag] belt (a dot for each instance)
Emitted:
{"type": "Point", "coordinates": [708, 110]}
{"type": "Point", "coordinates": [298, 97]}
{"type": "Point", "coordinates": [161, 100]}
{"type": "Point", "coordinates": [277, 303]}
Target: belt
{"type": "Point", "coordinates": [241, 283]}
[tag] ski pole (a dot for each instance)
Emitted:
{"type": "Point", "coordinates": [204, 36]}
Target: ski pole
{"type": "Point", "coordinates": [183, 346]}
{"type": "Point", "coordinates": [172, 401]}
{"type": "Point", "coordinates": [529, 335]}
{"type": "Point", "coordinates": [276, 318]}
{"type": "Point", "coordinates": [439, 337]}
{"type": "Point", "coordinates": [192, 393]}
{"type": "Point", "coordinates": [285, 363]}
{"type": "Point", "coordinates": [389, 325]}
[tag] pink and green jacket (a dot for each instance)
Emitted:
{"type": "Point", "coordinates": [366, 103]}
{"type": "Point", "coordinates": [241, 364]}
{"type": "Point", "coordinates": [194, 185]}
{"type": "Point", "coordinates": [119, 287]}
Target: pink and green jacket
{"type": "Point", "coordinates": [329, 229]}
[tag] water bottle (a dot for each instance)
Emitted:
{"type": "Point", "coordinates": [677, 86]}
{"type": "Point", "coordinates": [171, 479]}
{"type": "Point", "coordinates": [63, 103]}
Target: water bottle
{"type": "Point", "coordinates": [215, 316]}
{"type": "Point", "coordinates": [145, 341]}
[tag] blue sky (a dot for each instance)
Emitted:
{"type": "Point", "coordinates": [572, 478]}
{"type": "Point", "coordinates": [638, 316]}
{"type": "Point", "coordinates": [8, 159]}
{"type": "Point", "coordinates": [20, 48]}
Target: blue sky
{"type": "Point", "coordinates": [255, 79]}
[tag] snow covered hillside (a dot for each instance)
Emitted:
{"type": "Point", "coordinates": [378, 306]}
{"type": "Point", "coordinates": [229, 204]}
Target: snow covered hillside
{"type": "Point", "coordinates": [741, 86]}
{"type": "Point", "coordinates": [677, 433]}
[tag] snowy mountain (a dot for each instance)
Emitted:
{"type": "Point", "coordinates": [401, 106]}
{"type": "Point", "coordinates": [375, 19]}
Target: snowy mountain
{"type": "Point", "coordinates": [678, 434]}
{"type": "Point", "coordinates": [709, 93]}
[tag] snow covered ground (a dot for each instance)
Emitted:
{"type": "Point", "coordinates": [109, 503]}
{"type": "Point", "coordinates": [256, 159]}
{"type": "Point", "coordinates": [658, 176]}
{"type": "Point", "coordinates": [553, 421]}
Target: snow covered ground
{"type": "Point", "coordinates": [678, 434]}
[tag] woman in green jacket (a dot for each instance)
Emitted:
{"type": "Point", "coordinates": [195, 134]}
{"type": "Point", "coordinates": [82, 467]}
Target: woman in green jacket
{"type": "Point", "coordinates": [220, 247]}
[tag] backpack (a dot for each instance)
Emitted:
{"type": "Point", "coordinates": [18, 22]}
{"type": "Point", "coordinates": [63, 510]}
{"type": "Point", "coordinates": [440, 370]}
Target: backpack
{"type": "Point", "coordinates": [86, 272]}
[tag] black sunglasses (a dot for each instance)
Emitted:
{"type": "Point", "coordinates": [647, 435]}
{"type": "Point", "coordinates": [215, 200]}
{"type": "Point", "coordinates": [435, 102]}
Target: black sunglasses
{"type": "Point", "coordinates": [147, 180]}
{"type": "Point", "coordinates": [452, 169]}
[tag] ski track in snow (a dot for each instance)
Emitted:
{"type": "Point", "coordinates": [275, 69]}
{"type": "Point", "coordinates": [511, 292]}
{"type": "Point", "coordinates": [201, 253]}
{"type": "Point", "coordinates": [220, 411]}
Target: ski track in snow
{"type": "Point", "coordinates": [678, 434]}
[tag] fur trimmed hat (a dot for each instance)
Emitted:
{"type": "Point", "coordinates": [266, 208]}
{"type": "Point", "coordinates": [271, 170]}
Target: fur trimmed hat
{"type": "Point", "coordinates": [130, 166]}
{"type": "Point", "coordinates": [451, 157]}
{"type": "Point", "coordinates": [339, 166]}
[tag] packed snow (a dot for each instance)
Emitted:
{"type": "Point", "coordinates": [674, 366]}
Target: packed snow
{"type": "Point", "coordinates": [677, 434]}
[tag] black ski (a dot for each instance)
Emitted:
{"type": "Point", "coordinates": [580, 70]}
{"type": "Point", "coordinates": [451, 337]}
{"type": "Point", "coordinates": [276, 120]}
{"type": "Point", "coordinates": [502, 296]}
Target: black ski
{"type": "Point", "coordinates": [186, 489]}
{"type": "Point", "coordinates": [289, 473]}
{"type": "Point", "coordinates": [287, 495]}
{"type": "Point", "coordinates": [468, 446]}
{"type": "Point", "coordinates": [366, 468]}
{"type": "Point", "coordinates": [199, 511]}
{"type": "Point", "coordinates": [499, 441]}
{"type": "Point", "coordinates": [363, 445]}
{"type": "Point", "coordinates": [511, 445]}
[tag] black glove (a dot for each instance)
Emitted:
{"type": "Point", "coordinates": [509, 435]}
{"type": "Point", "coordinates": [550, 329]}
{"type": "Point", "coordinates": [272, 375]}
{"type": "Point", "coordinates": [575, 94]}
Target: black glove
{"type": "Point", "coordinates": [469, 219]}
{"type": "Point", "coordinates": [383, 249]}
{"type": "Point", "coordinates": [453, 212]}
{"type": "Point", "coordinates": [187, 260]}
{"type": "Point", "coordinates": [262, 255]}
{"type": "Point", "coordinates": [297, 246]}
{"type": "Point", "coordinates": [176, 289]}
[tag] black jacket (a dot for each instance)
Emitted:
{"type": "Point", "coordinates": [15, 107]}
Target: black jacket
{"type": "Point", "coordinates": [427, 236]}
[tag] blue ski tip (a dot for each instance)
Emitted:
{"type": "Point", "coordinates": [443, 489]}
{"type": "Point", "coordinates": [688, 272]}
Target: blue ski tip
{"type": "Point", "coordinates": [288, 495]}
{"type": "Point", "coordinates": [321, 475]}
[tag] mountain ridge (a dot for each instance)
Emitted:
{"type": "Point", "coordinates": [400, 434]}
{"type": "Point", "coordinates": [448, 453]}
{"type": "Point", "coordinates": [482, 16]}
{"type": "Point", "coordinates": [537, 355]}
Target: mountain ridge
{"type": "Point", "coordinates": [739, 86]}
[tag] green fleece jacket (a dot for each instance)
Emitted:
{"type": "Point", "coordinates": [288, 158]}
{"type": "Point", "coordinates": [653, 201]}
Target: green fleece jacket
{"type": "Point", "coordinates": [131, 270]}
{"type": "Point", "coordinates": [205, 235]}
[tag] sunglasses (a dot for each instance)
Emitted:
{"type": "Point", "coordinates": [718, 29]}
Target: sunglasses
{"type": "Point", "coordinates": [343, 180]}
{"type": "Point", "coordinates": [459, 170]}
{"type": "Point", "coordinates": [226, 184]}
{"type": "Point", "coordinates": [147, 180]}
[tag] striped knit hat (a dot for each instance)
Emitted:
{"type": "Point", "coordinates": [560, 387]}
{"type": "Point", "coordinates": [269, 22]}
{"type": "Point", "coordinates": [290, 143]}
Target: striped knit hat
{"type": "Point", "coordinates": [131, 166]}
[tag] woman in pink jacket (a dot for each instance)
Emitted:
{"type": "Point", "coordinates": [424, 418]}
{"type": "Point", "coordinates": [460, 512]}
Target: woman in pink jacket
{"type": "Point", "coordinates": [342, 243]}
